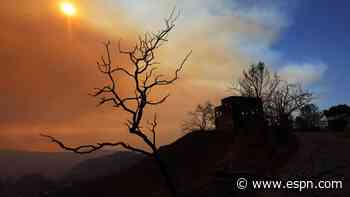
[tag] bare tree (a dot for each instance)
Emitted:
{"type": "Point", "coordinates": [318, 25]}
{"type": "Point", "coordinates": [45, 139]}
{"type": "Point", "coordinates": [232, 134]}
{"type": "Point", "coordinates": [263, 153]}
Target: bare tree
{"type": "Point", "coordinates": [202, 118]}
{"type": "Point", "coordinates": [145, 78]}
{"type": "Point", "coordinates": [257, 82]}
{"type": "Point", "coordinates": [280, 98]}
{"type": "Point", "coordinates": [287, 99]}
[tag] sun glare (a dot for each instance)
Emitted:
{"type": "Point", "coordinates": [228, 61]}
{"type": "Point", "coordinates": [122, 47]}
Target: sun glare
{"type": "Point", "coordinates": [68, 8]}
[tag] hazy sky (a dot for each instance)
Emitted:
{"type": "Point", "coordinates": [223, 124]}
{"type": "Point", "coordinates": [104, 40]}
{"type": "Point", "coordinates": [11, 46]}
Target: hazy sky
{"type": "Point", "coordinates": [49, 60]}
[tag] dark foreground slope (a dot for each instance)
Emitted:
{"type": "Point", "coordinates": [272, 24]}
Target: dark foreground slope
{"type": "Point", "coordinates": [200, 164]}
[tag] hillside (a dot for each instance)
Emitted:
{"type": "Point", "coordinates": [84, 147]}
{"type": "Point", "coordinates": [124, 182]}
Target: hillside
{"type": "Point", "coordinates": [321, 155]}
{"type": "Point", "coordinates": [194, 162]}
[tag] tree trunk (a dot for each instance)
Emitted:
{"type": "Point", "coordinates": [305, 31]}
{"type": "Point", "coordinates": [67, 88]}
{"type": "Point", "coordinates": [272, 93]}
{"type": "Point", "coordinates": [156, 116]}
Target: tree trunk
{"type": "Point", "coordinates": [166, 175]}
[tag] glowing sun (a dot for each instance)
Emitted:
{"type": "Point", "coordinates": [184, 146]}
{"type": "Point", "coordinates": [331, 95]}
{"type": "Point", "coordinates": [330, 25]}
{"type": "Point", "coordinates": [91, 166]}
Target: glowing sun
{"type": "Point", "coordinates": [68, 8]}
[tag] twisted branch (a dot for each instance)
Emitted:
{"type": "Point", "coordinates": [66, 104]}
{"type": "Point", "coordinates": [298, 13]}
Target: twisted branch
{"type": "Point", "coordinates": [85, 149]}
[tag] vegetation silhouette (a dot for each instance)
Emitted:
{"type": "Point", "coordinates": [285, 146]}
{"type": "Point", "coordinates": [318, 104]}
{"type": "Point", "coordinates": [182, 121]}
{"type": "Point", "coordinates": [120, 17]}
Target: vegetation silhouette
{"type": "Point", "coordinates": [145, 78]}
{"type": "Point", "coordinates": [338, 117]}
{"type": "Point", "coordinates": [279, 97]}
{"type": "Point", "coordinates": [247, 146]}
{"type": "Point", "coordinates": [202, 118]}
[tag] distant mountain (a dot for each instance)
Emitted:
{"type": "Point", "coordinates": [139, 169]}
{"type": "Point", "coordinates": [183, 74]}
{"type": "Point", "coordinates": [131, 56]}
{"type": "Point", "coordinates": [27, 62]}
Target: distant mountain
{"type": "Point", "coordinates": [102, 166]}
{"type": "Point", "coordinates": [15, 163]}
{"type": "Point", "coordinates": [39, 173]}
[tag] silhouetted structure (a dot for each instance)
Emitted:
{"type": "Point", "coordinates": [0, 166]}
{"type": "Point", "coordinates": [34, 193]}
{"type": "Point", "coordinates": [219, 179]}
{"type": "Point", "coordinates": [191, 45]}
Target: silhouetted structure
{"type": "Point", "coordinates": [239, 112]}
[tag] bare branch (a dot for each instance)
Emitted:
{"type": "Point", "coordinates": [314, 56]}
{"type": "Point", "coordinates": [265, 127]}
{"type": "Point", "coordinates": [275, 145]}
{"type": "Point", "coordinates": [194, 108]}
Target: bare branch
{"type": "Point", "coordinates": [159, 101]}
{"type": "Point", "coordinates": [122, 70]}
{"type": "Point", "coordinates": [85, 149]}
{"type": "Point", "coordinates": [159, 82]}
{"type": "Point", "coordinates": [153, 128]}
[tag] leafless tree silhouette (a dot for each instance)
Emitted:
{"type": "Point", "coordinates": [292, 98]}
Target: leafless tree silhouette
{"type": "Point", "coordinates": [280, 98]}
{"type": "Point", "coordinates": [287, 99]}
{"type": "Point", "coordinates": [257, 82]}
{"type": "Point", "coordinates": [145, 78]}
{"type": "Point", "coordinates": [202, 118]}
